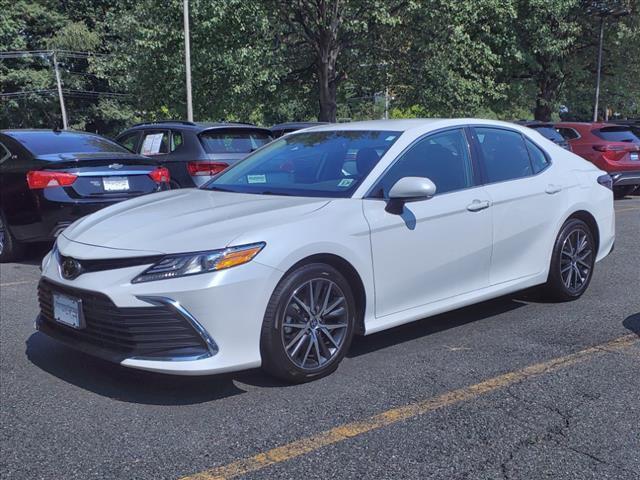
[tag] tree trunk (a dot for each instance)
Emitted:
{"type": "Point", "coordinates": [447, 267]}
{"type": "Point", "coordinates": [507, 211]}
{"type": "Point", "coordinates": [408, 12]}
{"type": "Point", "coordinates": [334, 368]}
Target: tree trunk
{"type": "Point", "coordinates": [327, 93]}
{"type": "Point", "coordinates": [542, 111]}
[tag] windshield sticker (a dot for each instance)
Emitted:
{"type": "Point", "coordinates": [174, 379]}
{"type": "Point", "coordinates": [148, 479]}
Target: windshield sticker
{"type": "Point", "coordinates": [256, 179]}
{"type": "Point", "coordinates": [345, 182]}
{"type": "Point", "coordinates": [390, 138]}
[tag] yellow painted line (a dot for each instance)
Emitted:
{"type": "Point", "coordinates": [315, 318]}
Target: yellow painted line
{"type": "Point", "coordinates": [11, 284]}
{"type": "Point", "coordinates": [310, 444]}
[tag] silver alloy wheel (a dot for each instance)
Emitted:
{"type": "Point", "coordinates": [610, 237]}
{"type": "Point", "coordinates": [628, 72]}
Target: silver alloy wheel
{"type": "Point", "coordinates": [314, 323]}
{"type": "Point", "coordinates": [2, 236]}
{"type": "Point", "coordinates": [576, 260]}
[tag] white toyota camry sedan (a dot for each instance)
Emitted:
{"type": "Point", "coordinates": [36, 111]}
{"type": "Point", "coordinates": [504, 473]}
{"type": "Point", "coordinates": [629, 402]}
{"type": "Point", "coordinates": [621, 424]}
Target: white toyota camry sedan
{"type": "Point", "coordinates": [323, 234]}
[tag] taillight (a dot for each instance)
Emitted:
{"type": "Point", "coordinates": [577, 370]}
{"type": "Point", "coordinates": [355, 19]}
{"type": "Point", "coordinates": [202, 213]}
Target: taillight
{"type": "Point", "coordinates": [606, 181]}
{"type": "Point", "coordinates": [160, 175]}
{"type": "Point", "coordinates": [37, 179]}
{"type": "Point", "coordinates": [616, 152]}
{"type": "Point", "coordinates": [205, 168]}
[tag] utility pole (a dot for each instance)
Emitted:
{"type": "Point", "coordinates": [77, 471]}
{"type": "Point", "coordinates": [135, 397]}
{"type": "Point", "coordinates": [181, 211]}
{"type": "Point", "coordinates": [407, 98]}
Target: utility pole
{"type": "Point", "coordinates": [595, 105]}
{"type": "Point", "coordinates": [65, 126]}
{"type": "Point", "coordinates": [187, 60]}
{"type": "Point", "coordinates": [386, 103]}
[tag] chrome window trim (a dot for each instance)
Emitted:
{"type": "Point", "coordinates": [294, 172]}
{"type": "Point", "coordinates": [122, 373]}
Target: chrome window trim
{"type": "Point", "coordinates": [184, 313]}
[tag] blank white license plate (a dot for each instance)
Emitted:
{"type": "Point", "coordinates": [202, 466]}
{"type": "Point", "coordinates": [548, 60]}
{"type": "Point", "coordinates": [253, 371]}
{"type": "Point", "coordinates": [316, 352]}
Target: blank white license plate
{"type": "Point", "coordinates": [635, 156]}
{"type": "Point", "coordinates": [67, 310]}
{"type": "Point", "coordinates": [115, 184]}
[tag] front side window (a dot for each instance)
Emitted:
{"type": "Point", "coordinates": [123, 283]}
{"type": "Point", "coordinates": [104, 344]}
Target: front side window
{"type": "Point", "coordinates": [155, 143]}
{"type": "Point", "coordinates": [504, 153]}
{"type": "Point", "coordinates": [130, 141]}
{"type": "Point", "coordinates": [318, 164]}
{"type": "Point", "coordinates": [443, 158]}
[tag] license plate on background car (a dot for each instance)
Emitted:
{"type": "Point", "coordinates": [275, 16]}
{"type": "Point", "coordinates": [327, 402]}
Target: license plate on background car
{"type": "Point", "coordinates": [67, 310]}
{"type": "Point", "coordinates": [635, 156]}
{"type": "Point", "coordinates": [115, 184]}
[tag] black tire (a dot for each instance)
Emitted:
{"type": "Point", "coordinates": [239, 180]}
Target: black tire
{"type": "Point", "coordinates": [623, 191]}
{"type": "Point", "coordinates": [581, 271]}
{"type": "Point", "coordinates": [275, 332]}
{"type": "Point", "coordinates": [10, 249]}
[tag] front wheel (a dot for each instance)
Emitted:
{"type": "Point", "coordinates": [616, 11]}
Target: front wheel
{"type": "Point", "coordinates": [572, 262]}
{"type": "Point", "coordinates": [308, 325]}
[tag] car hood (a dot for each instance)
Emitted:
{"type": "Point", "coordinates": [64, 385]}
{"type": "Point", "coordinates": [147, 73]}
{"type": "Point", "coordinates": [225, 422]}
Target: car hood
{"type": "Point", "coordinates": [186, 220]}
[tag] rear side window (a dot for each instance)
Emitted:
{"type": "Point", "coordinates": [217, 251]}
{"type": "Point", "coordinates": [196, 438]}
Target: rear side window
{"type": "Point", "coordinates": [233, 141]}
{"type": "Point", "coordinates": [155, 143]}
{"type": "Point", "coordinates": [443, 158]}
{"type": "Point", "coordinates": [539, 160]}
{"type": "Point", "coordinates": [176, 140]}
{"type": "Point", "coordinates": [617, 134]}
{"type": "Point", "coordinates": [568, 133]}
{"type": "Point", "coordinates": [505, 154]}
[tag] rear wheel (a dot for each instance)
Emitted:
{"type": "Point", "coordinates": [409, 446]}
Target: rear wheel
{"type": "Point", "coordinates": [572, 262]}
{"type": "Point", "coordinates": [308, 325]}
{"type": "Point", "coordinates": [10, 248]}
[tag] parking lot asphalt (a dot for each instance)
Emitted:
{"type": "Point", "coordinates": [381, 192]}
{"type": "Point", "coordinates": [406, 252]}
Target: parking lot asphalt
{"type": "Point", "coordinates": [511, 388]}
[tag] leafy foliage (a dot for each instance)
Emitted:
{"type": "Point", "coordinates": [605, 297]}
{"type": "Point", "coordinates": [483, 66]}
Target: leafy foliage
{"type": "Point", "coordinates": [268, 61]}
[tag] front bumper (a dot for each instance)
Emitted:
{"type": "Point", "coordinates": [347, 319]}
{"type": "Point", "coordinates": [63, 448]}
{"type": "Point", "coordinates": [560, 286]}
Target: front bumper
{"type": "Point", "coordinates": [227, 307]}
{"type": "Point", "coordinates": [625, 178]}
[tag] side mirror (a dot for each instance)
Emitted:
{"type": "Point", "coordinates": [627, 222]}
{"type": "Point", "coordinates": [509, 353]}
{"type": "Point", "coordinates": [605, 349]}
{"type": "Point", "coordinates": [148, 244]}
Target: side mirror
{"type": "Point", "coordinates": [409, 189]}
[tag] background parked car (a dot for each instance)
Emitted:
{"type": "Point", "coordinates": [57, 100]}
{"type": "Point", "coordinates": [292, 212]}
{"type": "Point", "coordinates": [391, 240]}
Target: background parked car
{"type": "Point", "coordinates": [613, 148]}
{"type": "Point", "coordinates": [48, 179]}
{"type": "Point", "coordinates": [194, 151]}
{"type": "Point", "coordinates": [284, 128]}
{"type": "Point", "coordinates": [548, 130]}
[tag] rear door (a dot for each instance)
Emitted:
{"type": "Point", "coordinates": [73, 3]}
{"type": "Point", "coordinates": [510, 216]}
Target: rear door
{"type": "Point", "coordinates": [528, 198]}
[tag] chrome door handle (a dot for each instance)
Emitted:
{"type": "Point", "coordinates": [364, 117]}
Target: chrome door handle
{"type": "Point", "coordinates": [551, 189]}
{"type": "Point", "coordinates": [478, 205]}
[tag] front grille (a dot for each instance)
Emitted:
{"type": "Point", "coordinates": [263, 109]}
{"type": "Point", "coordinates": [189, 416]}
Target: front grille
{"type": "Point", "coordinates": [117, 333]}
{"type": "Point", "coordinates": [112, 263]}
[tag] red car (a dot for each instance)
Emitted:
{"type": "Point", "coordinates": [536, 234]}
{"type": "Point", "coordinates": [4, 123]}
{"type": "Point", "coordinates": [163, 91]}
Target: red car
{"type": "Point", "coordinates": [613, 148]}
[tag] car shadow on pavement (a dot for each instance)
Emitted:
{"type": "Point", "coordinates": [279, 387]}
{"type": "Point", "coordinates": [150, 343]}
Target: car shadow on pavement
{"type": "Point", "coordinates": [437, 323]}
{"type": "Point", "coordinates": [632, 323]}
{"type": "Point", "coordinates": [125, 384]}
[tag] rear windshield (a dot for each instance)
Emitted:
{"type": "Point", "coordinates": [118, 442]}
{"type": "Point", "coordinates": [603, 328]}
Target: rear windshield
{"type": "Point", "coordinates": [233, 141]}
{"type": "Point", "coordinates": [617, 134]}
{"type": "Point", "coordinates": [44, 143]}
{"type": "Point", "coordinates": [550, 133]}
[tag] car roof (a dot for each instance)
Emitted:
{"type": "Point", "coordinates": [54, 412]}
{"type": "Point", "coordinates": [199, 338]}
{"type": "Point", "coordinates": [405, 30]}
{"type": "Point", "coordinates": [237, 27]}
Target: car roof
{"type": "Point", "coordinates": [194, 126]}
{"type": "Point", "coordinates": [23, 132]}
{"type": "Point", "coordinates": [404, 125]}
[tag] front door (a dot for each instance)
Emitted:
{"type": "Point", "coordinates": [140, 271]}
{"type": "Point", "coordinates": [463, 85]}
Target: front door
{"type": "Point", "coordinates": [436, 248]}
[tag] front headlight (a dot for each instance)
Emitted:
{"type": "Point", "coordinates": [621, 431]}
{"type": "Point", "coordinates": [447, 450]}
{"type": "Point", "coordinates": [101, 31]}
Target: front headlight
{"type": "Point", "coordinates": [183, 264]}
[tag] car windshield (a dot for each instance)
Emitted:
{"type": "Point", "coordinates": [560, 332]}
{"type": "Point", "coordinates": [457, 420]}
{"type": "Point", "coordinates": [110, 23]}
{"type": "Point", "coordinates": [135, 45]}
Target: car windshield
{"type": "Point", "coordinates": [233, 141]}
{"type": "Point", "coordinates": [617, 134]}
{"type": "Point", "coordinates": [44, 143]}
{"type": "Point", "coordinates": [313, 164]}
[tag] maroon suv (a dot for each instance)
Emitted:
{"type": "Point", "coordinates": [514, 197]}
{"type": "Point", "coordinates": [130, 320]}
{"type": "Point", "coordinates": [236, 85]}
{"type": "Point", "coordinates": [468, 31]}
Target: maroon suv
{"type": "Point", "coordinates": [613, 148]}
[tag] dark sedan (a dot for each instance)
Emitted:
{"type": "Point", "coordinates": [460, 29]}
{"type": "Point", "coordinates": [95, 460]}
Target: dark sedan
{"type": "Point", "coordinates": [548, 131]}
{"type": "Point", "coordinates": [49, 179]}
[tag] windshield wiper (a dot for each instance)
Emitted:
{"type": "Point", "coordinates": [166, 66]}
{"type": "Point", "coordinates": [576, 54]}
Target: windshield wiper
{"type": "Point", "coordinates": [268, 192]}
